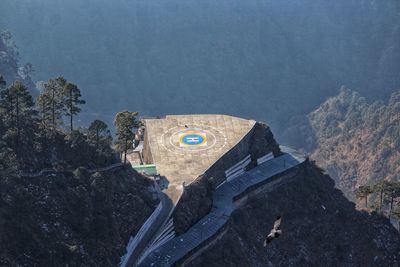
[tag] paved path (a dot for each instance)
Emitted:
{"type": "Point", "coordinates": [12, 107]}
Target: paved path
{"type": "Point", "coordinates": [223, 206]}
{"type": "Point", "coordinates": [52, 171]}
{"type": "Point", "coordinates": [147, 232]}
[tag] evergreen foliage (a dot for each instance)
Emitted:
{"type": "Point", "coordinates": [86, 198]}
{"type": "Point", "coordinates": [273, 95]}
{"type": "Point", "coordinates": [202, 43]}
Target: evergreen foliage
{"type": "Point", "coordinates": [125, 122]}
{"type": "Point", "coordinates": [72, 100]}
{"type": "Point", "coordinates": [364, 192]}
{"type": "Point", "coordinates": [31, 134]}
{"type": "Point", "coordinates": [19, 118]}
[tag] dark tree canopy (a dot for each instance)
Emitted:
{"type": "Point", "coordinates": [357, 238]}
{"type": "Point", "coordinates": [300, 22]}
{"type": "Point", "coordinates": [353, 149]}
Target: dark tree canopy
{"type": "Point", "coordinates": [72, 100]}
{"type": "Point", "coordinates": [19, 117]}
{"type": "Point", "coordinates": [125, 122]}
{"type": "Point", "coordinates": [53, 91]}
{"type": "Point", "coordinates": [100, 137]}
{"type": "Point", "coordinates": [31, 138]}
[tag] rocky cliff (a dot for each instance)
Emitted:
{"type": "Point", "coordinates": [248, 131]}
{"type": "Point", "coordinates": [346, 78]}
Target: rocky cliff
{"type": "Point", "coordinates": [320, 227]}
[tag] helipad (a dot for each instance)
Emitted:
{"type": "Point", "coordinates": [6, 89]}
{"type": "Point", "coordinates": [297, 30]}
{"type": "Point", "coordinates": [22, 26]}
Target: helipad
{"type": "Point", "coordinates": [184, 146]}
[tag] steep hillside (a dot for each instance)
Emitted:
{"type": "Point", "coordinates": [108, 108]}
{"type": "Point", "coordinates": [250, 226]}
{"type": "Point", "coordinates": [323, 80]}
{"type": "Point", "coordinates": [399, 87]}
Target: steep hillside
{"type": "Point", "coordinates": [320, 227]}
{"type": "Point", "coordinates": [359, 143]}
{"type": "Point", "coordinates": [54, 211]}
{"type": "Point", "coordinates": [9, 63]}
{"type": "Point", "coordinates": [71, 219]}
{"type": "Point", "coordinates": [356, 141]}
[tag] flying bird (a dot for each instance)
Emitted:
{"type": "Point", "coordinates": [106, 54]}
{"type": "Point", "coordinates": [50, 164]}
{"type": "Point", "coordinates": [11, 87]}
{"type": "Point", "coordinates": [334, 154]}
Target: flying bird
{"type": "Point", "coordinates": [275, 232]}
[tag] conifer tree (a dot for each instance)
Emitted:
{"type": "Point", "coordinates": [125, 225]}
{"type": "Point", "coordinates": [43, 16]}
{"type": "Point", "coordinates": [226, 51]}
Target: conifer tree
{"type": "Point", "coordinates": [381, 187]}
{"type": "Point", "coordinates": [72, 98]}
{"type": "Point", "coordinates": [125, 121]}
{"type": "Point", "coordinates": [19, 116]}
{"type": "Point", "coordinates": [99, 135]}
{"type": "Point", "coordinates": [392, 191]}
{"type": "Point", "coordinates": [43, 106]}
{"type": "Point", "coordinates": [363, 192]}
{"type": "Point", "coordinates": [53, 91]}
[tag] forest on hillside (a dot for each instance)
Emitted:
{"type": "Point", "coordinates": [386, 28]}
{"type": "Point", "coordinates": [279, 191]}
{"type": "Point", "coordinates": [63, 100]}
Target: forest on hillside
{"type": "Point", "coordinates": [58, 205]}
{"type": "Point", "coordinates": [357, 142]}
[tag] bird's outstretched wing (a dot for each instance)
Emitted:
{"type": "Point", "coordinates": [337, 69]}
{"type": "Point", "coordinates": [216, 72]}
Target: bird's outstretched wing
{"type": "Point", "coordinates": [277, 223]}
{"type": "Point", "coordinates": [268, 239]}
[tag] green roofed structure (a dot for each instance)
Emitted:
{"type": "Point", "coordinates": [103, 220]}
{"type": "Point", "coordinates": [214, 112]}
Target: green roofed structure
{"type": "Point", "coordinates": [149, 169]}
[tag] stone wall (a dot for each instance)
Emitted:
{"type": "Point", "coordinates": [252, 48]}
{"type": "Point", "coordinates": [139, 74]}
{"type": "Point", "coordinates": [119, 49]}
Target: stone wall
{"type": "Point", "coordinates": [147, 156]}
{"type": "Point", "coordinates": [196, 200]}
{"type": "Point", "coordinates": [257, 142]}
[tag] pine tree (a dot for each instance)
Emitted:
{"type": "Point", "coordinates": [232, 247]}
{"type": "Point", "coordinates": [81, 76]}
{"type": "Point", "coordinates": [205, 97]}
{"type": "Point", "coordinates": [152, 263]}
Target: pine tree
{"type": "Point", "coordinates": [43, 106]}
{"type": "Point", "coordinates": [125, 121]}
{"type": "Point", "coordinates": [381, 187]}
{"type": "Point", "coordinates": [392, 191]}
{"type": "Point", "coordinates": [100, 137]}
{"type": "Point", "coordinates": [98, 134]}
{"type": "Point", "coordinates": [19, 116]}
{"type": "Point", "coordinates": [8, 164]}
{"type": "Point", "coordinates": [72, 98]}
{"type": "Point", "coordinates": [363, 192]}
{"type": "Point", "coordinates": [53, 91]}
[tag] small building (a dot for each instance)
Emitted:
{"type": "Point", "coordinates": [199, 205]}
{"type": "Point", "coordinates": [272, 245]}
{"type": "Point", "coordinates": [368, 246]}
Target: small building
{"type": "Point", "coordinates": [148, 169]}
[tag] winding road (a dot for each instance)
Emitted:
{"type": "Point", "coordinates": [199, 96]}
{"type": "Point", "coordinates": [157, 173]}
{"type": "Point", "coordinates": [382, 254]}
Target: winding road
{"type": "Point", "coordinates": [52, 171]}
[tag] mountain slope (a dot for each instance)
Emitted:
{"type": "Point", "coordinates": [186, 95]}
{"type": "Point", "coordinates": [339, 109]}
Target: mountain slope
{"type": "Point", "coordinates": [71, 219]}
{"type": "Point", "coordinates": [9, 65]}
{"type": "Point", "coordinates": [356, 141]}
{"type": "Point", "coordinates": [319, 226]}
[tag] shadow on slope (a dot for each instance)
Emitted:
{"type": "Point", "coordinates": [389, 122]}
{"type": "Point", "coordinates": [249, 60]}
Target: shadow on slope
{"type": "Point", "coordinates": [319, 226]}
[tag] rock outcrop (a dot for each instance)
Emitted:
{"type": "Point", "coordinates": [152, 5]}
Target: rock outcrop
{"type": "Point", "coordinates": [320, 226]}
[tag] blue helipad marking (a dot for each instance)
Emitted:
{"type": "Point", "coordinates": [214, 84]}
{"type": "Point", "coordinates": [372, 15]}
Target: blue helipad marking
{"type": "Point", "coordinates": [192, 139]}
